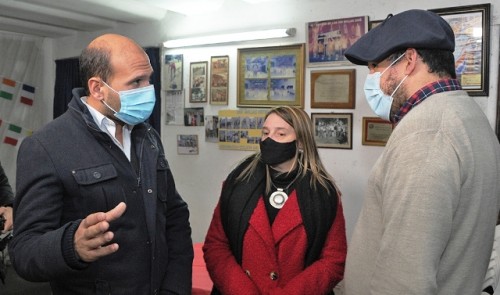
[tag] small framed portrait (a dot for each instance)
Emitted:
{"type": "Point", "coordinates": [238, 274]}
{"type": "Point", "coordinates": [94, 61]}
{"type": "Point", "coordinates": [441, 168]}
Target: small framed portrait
{"type": "Point", "coordinates": [333, 130]}
{"type": "Point", "coordinates": [219, 77]}
{"type": "Point", "coordinates": [198, 81]}
{"type": "Point", "coordinates": [376, 131]}
{"type": "Point", "coordinates": [194, 117]}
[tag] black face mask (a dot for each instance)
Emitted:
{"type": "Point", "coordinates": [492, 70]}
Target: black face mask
{"type": "Point", "coordinates": [273, 152]}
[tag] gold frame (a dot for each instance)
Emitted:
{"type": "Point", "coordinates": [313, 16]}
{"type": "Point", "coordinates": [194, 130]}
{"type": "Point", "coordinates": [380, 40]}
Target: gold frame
{"type": "Point", "coordinates": [271, 76]}
{"type": "Point", "coordinates": [219, 79]}
{"type": "Point", "coordinates": [379, 139]}
{"type": "Point", "coordinates": [330, 90]}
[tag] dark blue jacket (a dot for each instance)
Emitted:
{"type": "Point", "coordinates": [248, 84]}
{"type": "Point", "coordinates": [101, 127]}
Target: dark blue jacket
{"type": "Point", "coordinates": [6, 195]}
{"type": "Point", "coordinates": [70, 169]}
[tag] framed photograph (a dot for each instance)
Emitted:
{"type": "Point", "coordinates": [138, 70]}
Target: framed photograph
{"type": "Point", "coordinates": [271, 76]}
{"type": "Point", "coordinates": [241, 129]}
{"type": "Point", "coordinates": [373, 23]}
{"type": "Point", "coordinates": [328, 40]}
{"type": "Point", "coordinates": [212, 128]}
{"type": "Point", "coordinates": [194, 117]}
{"type": "Point", "coordinates": [471, 25]}
{"type": "Point", "coordinates": [333, 89]}
{"type": "Point", "coordinates": [172, 80]}
{"type": "Point", "coordinates": [187, 144]}
{"type": "Point", "coordinates": [333, 130]}
{"type": "Point", "coordinates": [219, 75]}
{"type": "Point", "coordinates": [376, 131]}
{"type": "Point", "coordinates": [198, 81]}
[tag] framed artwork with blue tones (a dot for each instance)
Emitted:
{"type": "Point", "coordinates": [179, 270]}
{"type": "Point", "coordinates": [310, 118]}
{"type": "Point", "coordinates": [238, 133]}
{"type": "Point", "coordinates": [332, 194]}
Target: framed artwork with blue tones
{"type": "Point", "coordinates": [271, 76]}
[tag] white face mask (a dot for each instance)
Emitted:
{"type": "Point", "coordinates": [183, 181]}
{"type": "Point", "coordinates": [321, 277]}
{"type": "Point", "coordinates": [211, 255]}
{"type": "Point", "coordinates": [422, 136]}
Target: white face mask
{"type": "Point", "coordinates": [380, 102]}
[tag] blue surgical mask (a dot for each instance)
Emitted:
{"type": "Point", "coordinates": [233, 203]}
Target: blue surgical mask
{"type": "Point", "coordinates": [136, 104]}
{"type": "Point", "coordinates": [380, 102]}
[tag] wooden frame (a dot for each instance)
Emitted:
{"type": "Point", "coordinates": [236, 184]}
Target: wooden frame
{"type": "Point", "coordinates": [173, 72]}
{"type": "Point", "coordinates": [471, 25]}
{"type": "Point", "coordinates": [328, 40]}
{"type": "Point", "coordinates": [376, 131]}
{"type": "Point", "coordinates": [332, 130]}
{"type": "Point", "coordinates": [271, 76]}
{"type": "Point", "coordinates": [187, 144]}
{"type": "Point", "coordinates": [219, 78]}
{"type": "Point", "coordinates": [333, 89]}
{"type": "Point", "coordinates": [198, 81]}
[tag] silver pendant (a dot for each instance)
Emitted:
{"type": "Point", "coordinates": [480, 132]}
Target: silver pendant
{"type": "Point", "coordinates": [278, 198]}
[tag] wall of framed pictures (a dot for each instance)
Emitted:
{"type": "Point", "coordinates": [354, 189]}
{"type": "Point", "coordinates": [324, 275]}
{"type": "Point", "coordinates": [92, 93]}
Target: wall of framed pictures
{"type": "Point", "coordinates": [349, 163]}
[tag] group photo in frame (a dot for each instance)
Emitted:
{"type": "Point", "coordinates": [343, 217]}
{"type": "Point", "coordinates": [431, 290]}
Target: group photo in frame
{"type": "Point", "coordinates": [332, 130]}
{"type": "Point", "coordinates": [271, 76]}
{"type": "Point", "coordinates": [376, 131]}
{"type": "Point", "coordinates": [471, 25]}
{"type": "Point", "coordinates": [198, 81]}
{"type": "Point", "coordinates": [172, 69]}
{"type": "Point", "coordinates": [187, 144]}
{"type": "Point", "coordinates": [328, 40]}
{"type": "Point", "coordinates": [333, 89]}
{"type": "Point", "coordinates": [219, 77]}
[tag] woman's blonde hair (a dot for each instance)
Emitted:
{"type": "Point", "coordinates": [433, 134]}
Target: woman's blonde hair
{"type": "Point", "coordinates": [307, 157]}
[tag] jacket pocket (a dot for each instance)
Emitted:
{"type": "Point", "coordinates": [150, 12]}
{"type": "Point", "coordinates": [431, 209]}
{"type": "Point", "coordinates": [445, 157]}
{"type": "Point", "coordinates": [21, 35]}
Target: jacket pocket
{"type": "Point", "coordinates": [93, 175]}
{"type": "Point", "coordinates": [99, 189]}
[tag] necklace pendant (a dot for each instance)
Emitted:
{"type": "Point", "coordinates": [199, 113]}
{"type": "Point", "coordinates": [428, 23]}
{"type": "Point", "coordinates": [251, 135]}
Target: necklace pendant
{"type": "Point", "coordinates": [278, 198]}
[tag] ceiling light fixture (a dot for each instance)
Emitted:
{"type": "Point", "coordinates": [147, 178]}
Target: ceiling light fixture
{"type": "Point", "coordinates": [230, 38]}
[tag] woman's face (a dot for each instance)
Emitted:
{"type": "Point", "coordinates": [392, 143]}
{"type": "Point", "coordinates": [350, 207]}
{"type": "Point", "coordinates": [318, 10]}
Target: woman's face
{"type": "Point", "coordinates": [277, 129]}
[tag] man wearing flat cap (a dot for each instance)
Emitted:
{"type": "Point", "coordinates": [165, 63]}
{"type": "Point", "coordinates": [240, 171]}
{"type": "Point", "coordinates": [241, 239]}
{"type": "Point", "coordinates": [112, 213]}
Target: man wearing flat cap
{"type": "Point", "coordinates": [432, 200]}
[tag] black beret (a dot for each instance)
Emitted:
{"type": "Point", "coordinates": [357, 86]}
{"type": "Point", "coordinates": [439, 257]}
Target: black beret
{"type": "Point", "coordinates": [419, 29]}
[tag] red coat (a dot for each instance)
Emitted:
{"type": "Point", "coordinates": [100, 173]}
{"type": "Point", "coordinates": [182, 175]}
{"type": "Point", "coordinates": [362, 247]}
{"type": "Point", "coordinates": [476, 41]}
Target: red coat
{"type": "Point", "coordinates": [273, 257]}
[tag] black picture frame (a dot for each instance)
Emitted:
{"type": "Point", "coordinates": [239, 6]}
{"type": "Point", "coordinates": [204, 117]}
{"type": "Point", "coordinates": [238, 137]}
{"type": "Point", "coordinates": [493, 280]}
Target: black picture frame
{"type": "Point", "coordinates": [472, 45]}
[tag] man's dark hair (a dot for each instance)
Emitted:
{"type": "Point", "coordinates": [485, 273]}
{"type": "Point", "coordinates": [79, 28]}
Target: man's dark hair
{"type": "Point", "coordinates": [94, 62]}
{"type": "Point", "coordinates": [440, 62]}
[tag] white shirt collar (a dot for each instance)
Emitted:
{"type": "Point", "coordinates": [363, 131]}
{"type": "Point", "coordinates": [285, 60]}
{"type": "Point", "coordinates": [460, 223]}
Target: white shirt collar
{"type": "Point", "coordinates": [108, 126]}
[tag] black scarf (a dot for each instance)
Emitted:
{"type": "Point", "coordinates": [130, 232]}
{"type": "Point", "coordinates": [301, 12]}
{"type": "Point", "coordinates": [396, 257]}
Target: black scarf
{"type": "Point", "coordinates": [239, 199]}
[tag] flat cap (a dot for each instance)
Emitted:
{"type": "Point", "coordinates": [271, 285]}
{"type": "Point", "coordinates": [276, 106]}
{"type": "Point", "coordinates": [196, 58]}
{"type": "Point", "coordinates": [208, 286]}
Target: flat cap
{"type": "Point", "coordinates": [419, 29]}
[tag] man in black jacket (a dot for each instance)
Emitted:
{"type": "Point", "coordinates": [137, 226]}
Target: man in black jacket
{"type": "Point", "coordinates": [96, 209]}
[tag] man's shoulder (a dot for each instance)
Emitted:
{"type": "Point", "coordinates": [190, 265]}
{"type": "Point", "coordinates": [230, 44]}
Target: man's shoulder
{"type": "Point", "coordinates": [62, 123]}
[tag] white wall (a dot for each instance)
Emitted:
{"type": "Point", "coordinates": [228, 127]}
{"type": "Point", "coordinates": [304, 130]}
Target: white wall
{"type": "Point", "coordinates": [199, 177]}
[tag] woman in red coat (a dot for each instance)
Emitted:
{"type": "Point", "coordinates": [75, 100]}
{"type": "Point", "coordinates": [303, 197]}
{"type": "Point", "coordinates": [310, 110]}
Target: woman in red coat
{"type": "Point", "coordinates": [278, 227]}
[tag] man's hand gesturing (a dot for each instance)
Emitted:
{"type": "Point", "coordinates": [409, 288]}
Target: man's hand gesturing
{"type": "Point", "coordinates": [92, 236]}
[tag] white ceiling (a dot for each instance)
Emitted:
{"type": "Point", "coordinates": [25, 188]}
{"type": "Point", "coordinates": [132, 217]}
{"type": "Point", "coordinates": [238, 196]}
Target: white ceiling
{"type": "Point", "coordinates": [58, 18]}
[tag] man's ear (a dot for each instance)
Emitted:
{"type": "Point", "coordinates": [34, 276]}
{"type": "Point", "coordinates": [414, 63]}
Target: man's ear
{"type": "Point", "coordinates": [411, 57]}
{"type": "Point", "coordinates": [95, 88]}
